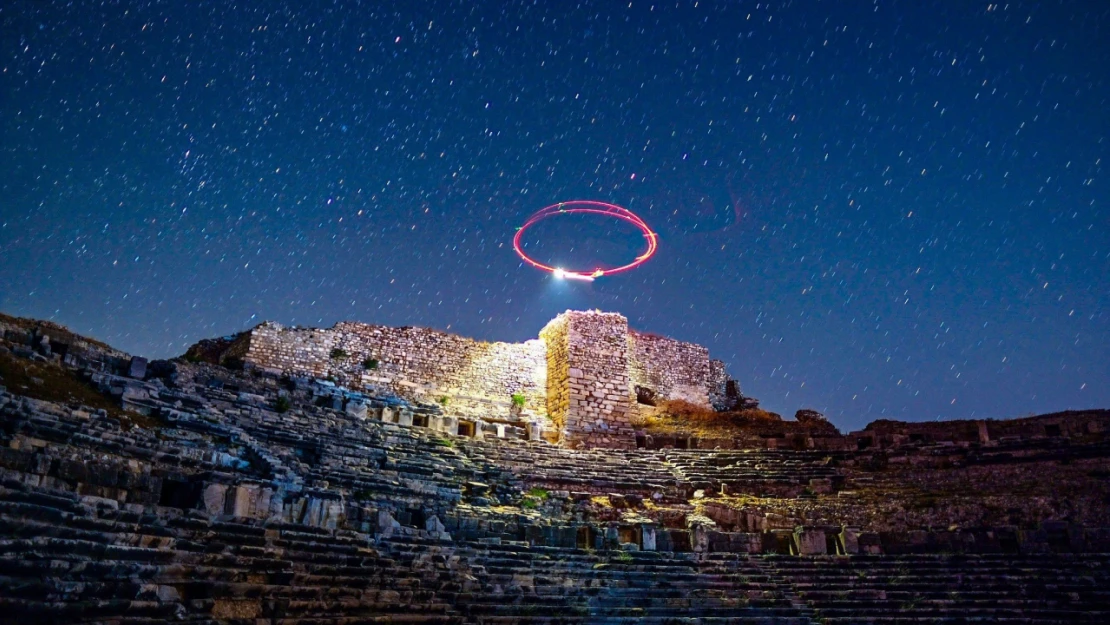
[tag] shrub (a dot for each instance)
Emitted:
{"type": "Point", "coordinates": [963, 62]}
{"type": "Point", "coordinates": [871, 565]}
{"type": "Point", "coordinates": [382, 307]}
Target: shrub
{"type": "Point", "coordinates": [370, 364]}
{"type": "Point", "coordinates": [443, 401]}
{"type": "Point", "coordinates": [518, 400]}
{"type": "Point", "coordinates": [533, 498]}
{"type": "Point", "coordinates": [338, 353]}
{"type": "Point", "coordinates": [282, 404]}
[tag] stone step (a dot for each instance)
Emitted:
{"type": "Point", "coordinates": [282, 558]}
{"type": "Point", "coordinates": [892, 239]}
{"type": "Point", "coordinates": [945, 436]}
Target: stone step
{"type": "Point", "coordinates": [30, 611]}
{"type": "Point", "coordinates": [747, 619]}
{"type": "Point", "coordinates": [903, 614]}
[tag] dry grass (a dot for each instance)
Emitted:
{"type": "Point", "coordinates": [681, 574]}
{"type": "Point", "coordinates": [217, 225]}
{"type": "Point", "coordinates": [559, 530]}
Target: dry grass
{"type": "Point", "coordinates": [677, 416]}
{"type": "Point", "coordinates": [687, 411]}
{"type": "Point", "coordinates": [54, 383]}
{"type": "Point", "coordinates": [645, 422]}
{"type": "Point", "coordinates": [54, 331]}
{"type": "Point", "coordinates": [693, 413]}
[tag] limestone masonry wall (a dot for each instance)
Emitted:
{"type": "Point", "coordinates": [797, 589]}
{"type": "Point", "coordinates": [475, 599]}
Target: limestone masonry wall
{"type": "Point", "coordinates": [554, 336]}
{"type": "Point", "coordinates": [476, 377]}
{"type": "Point", "coordinates": [719, 396]}
{"type": "Point", "coordinates": [597, 380]}
{"type": "Point", "coordinates": [581, 372]}
{"type": "Point", "coordinates": [670, 368]}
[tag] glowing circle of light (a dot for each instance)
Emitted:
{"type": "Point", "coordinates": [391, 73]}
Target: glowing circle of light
{"type": "Point", "coordinates": [589, 207]}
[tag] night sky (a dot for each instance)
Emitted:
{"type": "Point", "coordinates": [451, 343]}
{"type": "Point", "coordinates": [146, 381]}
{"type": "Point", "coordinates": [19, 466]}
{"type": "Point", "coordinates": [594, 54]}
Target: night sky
{"type": "Point", "coordinates": [875, 209]}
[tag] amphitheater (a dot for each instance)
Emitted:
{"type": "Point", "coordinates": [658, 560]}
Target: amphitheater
{"type": "Point", "coordinates": [365, 474]}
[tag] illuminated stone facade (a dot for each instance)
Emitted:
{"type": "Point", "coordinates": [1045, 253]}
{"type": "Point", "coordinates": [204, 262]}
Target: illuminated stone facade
{"type": "Point", "coordinates": [591, 397]}
{"type": "Point", "coordinates": [468, 377]}
{"type": "Point", "coordinates": [672, 369]}
{"type": "Point", "coordinates": [580, 379]}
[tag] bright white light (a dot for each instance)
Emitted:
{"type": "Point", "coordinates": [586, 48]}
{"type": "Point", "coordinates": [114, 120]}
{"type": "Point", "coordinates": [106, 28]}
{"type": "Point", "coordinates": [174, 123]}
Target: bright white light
{"type": "Point", "coordinates": [559, 273]}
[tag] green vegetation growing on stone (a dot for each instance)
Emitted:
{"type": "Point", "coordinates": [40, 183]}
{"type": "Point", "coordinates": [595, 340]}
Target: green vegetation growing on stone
{"type": "Point", "coordinates": [518, 400]}
{"type": "Point", "coordinates": [338, 354]}
{"type": "Point", "coordinates": [281, 404]}
{"type": "Point", "coordinates": [370, 364]}
{"type": "Point", "coordinates": [534, 497]}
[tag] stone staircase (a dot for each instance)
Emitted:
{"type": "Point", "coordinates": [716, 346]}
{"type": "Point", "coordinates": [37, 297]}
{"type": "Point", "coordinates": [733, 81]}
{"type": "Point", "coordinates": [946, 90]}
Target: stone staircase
{"type": "Point", "coordinates": [518, 584]}
{"type": "Point", "coordinates": [237, 513]}
{"type": "Point", "coordinates": [65, 561]}
{"type": "Point", "coordinates": [738, 471]}
{"type": "Point", "coordinates": [1043, 588]}
{"type": "Point", "coordinates": [599, 471]}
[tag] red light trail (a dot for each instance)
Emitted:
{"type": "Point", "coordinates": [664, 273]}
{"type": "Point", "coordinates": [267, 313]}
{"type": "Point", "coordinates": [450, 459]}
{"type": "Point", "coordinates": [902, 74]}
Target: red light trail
{"type": "Point", "coordinates": [594, 208]}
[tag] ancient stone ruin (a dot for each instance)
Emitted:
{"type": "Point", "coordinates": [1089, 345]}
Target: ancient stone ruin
{"type": "Point", "coordinates": [579, 381]}
{"type": "Point", "coordinates": [319, 476]}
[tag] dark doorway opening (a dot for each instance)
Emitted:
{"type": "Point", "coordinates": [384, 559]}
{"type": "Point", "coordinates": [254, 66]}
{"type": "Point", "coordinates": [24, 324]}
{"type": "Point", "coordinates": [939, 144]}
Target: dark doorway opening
{"type": "Point", "coordinates": [180, 494]}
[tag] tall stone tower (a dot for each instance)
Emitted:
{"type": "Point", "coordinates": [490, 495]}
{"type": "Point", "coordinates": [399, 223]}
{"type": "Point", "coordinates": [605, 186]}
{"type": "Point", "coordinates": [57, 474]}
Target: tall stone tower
{"type": "Point", "coordinates": [588, 390]}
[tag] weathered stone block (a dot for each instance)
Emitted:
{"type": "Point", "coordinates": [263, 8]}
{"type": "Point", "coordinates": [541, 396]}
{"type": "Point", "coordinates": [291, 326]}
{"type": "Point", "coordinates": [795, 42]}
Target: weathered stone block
{"type": "Point", "coordinates": [137, 367]}
{"type": "Point", "coordinates": [404, 417]}
{"type": "Point", "coordinates": [214, 499]}
{"type": "Point", "coordinates": [357, 409]}
{"type": "Point", "coordinates": [811, 541]}
{"type": "Point", "coordinates": [869, 542]}
{"type": "Point", "coordinates": [849, 540]}
{"type": "Point", "coordinates": [240, 500]}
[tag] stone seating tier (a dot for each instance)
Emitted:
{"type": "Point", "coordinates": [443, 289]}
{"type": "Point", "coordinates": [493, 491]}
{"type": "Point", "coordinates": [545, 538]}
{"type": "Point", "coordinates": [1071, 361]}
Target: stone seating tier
{"type": "Point", "coordinates": [63, 558]}
{"type": "Point", "coordinates": [235, 512]}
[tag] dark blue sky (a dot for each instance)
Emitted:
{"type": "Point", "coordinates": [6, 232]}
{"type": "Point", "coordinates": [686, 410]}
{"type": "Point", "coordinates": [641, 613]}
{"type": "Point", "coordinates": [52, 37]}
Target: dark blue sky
{"type": "Point", "coordinates": [875, 209]}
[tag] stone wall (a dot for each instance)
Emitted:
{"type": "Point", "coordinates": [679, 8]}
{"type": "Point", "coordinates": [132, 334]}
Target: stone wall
{"type": "Point", "coordinates": [719, 396]}
{"type": "Point", "coordinates": [672, 369]}
{"type": "Point", "coordinates": [600, 394]}
{"type": "Point", "coordinates": [554, 337]}
{"type": "Point", "coordinates": [476, 378]}
{"type": "Point", "coordinates": [582, 372]}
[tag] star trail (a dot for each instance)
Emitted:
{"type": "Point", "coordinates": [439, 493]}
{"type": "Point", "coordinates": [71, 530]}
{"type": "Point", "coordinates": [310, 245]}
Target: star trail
{"type": "Point", "coordinates": [874, 209]}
